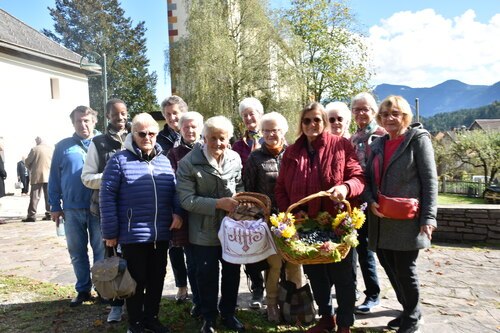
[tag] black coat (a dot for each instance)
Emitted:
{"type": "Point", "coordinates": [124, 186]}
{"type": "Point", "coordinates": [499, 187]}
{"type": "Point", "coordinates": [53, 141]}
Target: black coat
{"type": "Point", "coordinates": [3, 175]}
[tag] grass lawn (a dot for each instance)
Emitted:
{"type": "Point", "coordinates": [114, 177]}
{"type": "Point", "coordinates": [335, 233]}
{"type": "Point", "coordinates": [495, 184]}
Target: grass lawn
{"type": "Point", "coordinates": [31, 306]}
{"type": "Point", "coordinates": [446, 199]}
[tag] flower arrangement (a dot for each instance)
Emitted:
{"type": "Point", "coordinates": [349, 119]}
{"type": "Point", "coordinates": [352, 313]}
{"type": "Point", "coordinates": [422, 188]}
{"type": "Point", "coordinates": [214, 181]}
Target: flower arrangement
{"type": "Point", "coordinates": [325, 236]}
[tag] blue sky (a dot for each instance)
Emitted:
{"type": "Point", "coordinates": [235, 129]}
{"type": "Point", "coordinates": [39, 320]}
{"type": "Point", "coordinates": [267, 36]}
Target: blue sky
{"type": "Point", "coordinates": [419, 43]}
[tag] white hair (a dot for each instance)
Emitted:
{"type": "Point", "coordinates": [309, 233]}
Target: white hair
{"type": "Point", "coordinates": [251, 103]}
{"type": "Point", "coordinates": [219, 123]}
{"type": "Point", "coordinates": [144, 119]}
{"type": "Point", "coordinates": [276, 117]}
{"type": "Point", "coordinates": [342, 110]}
{"type": "Point", "coordinates": [368, 98]}
{"type": "Point", "coordinates": [191, 115]}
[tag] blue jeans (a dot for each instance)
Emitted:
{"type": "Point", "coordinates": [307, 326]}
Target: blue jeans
{"type": "Point", "coordinates": [81, 226]}
{"type": "Point", "coordinates": [207, 275]}
{"type": "Point", "coordinates": [368, 265]}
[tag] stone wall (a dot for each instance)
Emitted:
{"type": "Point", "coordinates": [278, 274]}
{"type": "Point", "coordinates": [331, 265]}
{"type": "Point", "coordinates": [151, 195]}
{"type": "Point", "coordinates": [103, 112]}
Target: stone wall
{"type": "Point", "coordinates": [480, 223]}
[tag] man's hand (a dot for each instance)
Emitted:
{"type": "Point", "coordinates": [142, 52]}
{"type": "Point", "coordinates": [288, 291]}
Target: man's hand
{"type": "Point", "coordinates": [227, 204]}
{"type": "Point", "coordinates": [55, 216]}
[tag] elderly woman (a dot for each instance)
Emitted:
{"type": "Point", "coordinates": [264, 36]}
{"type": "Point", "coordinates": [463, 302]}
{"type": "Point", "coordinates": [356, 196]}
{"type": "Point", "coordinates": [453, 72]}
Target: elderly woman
{"type": "Point", "coordinates": [364, 108]}
{"type": "Point", "coordinates": [208, 177]}
{"type": "Point", "coordinates": [251, 110]}
{"type": "Point", "coordinates": [339, 117]}
{"type": "Point", "coordinates": [320, 161]}
{"type": "Point", "coordinates": [139, 208]}
{"type": "Point", "coordinates": [401, 164]}
{"type": "Point", "coordinates": [190, 124]}
{"type": "Point", "coordinates": [261, 172]}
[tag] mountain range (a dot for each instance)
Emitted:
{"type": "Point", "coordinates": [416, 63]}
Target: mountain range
{"type": "Point", "coordinates": [451, 95]}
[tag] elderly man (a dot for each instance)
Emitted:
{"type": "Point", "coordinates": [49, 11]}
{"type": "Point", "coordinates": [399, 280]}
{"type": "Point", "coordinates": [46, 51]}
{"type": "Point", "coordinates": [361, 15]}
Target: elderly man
{"type": "Point", "coordinates": [67, 190]}
{"type": "Point", "coordinates": [364, 108]}
{"type": "Point", "coordinates": [38, 163]}
{"type": "Point", "coordinates": [101, 149]}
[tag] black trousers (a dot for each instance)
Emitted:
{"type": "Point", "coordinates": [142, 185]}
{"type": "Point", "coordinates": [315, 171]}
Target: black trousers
{"type": "Point", "coordinates": [401, 268]}
{"type": "Point", "coordinates": [147, 264]}
{"type": "Point", "coordinates": [323, 277]}
{"type": "Point", "coordinates": [207, 260]}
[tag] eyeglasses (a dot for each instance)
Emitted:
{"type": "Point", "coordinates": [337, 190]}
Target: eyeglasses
{"type": "Point", "coordinates": [359, 110]}
{"type": "Point", "coordinates": [272, 131]}
{"type": "Point", "coordinates": [144, 134]}
{"type": "Point", "coordinates": [394, 114]}
{"type": "Point", "coordinates": [307, 121]}
{"type": "Point", "coordinates": [333, 119]}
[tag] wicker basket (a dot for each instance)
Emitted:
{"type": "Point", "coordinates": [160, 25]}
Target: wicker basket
{"type": "Point", "coordinates": [318, 258]}
{"type": "Point", "coordinates": [252, 206]}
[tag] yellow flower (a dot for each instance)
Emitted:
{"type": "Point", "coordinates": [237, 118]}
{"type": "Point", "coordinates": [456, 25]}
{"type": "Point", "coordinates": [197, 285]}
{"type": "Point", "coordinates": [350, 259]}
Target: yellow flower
{"type": "Point", "coordinates": [274, 220]}
{"type": "Point", "coordinates": [338, 219]}
{"type": "Point", "coordinates": [358, 218]}
{"type": "Point", "coordinates": [289, 231]}
{"type": "Point", "coordinates": [290, 218]}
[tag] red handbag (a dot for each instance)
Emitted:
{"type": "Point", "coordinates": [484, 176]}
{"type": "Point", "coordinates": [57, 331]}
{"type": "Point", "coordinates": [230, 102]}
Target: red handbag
{"type": "Point", "coordinates": [391, 207]}
{"type": "Point", "coordinates": [398, 208]}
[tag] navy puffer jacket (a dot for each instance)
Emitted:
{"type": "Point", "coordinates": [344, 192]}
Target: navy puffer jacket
{"type": "Point", "coordinates": [138, 197]}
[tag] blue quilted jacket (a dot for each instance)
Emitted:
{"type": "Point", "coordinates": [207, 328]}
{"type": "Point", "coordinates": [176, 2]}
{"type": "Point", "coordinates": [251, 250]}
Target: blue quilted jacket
{"type": "Point", "coordinates": [137, 197]}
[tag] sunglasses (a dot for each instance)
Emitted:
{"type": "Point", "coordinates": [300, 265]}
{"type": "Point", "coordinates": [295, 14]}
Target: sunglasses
{"type": "Point", "coordinates": [394, 114]}
{"type": "Point", "coordinates": [333, 119]}
{"type": "Point", "coordinates": [144, 134]}
{"type": "Point", "coordinates": [308, 121]}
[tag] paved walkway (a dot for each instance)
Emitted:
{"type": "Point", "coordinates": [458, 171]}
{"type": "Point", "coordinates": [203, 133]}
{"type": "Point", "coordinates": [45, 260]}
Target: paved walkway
{"type": "Point", "coordinates": [460, 285]}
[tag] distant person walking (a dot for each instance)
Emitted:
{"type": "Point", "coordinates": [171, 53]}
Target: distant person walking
{"type": "Point", "coordinates": [67, 190]}
{"type": "Point", "coordinates": [23, 176]}
{"type": "Point", "coordinates": [3, 175]}
{"type": "Point", "coordinates": [38, 163]}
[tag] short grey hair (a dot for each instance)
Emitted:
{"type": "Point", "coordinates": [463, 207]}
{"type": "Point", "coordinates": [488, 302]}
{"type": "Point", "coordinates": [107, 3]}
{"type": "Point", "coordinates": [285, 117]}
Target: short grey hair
{"type": "Point", "coordinates": [251, 103]}
{"type": "Point", "coordinates": [144, 119]}
{"type": "Point", "coordinates": [84, 110]}
{"type": "Point", "coordinates": [342, 110]}
{"type": "Point", "coordinates": [218, 123]}
{"type": "Point", "coordinates": [368, 98]}
{"type": "Point", "coordinates": [173, 100]}
{"type": "Point", "coordinates": [276, 117]}
{"type": "Point", "coordinates": [191, 115]}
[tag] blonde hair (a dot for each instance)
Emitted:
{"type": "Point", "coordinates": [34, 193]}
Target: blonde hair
{"type": "Point", "coordinates": [144, 119]}
{"type": "Point", "coordinates": [399, 103]}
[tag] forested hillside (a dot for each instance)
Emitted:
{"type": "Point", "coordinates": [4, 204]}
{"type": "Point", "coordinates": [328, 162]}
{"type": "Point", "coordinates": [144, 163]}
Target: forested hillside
{"type": "Point", "coordinates": [449, 120]}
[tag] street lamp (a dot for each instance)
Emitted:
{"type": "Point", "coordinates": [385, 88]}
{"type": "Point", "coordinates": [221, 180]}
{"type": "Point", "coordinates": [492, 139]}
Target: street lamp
{"type": "Point", "coordinates": [93, 65]}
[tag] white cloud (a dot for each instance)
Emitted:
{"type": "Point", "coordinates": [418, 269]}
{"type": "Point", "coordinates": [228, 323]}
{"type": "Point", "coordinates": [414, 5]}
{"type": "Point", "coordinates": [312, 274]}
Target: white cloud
{"type": "Point", "coordinates": [422, 49]}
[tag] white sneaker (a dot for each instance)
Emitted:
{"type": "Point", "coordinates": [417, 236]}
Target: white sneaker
{"type": "Point", "coordinates": [115, 314]}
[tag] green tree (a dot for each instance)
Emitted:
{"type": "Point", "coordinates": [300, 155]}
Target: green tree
{"type": "Point", "coordinates": [93, 28]}
{"type": "Point", "coordinates": [479, 149]}
{"type": "Point", "coordinates": [329, 56]}
{"type": "Point", "coordinates": [230, 52]}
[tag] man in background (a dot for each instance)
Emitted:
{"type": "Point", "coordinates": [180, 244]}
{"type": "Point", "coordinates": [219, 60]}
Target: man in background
{"type": "Point", "coordinates": [67, 190]}
{"type": "Point", "coordinates": [101, 149]}
{"type": "Point", "coordinates": [38, 163]}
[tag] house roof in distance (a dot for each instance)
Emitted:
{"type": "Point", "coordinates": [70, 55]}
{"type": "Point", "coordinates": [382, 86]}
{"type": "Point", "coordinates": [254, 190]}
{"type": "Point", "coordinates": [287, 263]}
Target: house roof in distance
{"type": "Point", "coordinates": [21, 40]}
{"type": "Point", "coordinates": [486, 124]}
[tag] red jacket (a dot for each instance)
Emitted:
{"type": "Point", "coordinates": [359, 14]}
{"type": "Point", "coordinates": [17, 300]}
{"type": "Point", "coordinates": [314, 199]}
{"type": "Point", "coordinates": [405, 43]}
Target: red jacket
{"type": "Point", "coordinates": [334, 163]}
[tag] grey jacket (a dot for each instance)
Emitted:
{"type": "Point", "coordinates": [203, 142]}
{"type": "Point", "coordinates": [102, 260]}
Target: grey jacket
{"type": "Point", "coordinates": [411, 173]}
{"type": "Point", "coordinates": [199, 185]}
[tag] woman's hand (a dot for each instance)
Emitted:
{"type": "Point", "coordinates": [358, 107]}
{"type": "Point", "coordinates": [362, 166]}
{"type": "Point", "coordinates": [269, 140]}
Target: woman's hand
{"type": "Point", "coordinates": [227, 204]}
{"type": "Point", "coordinates": [427, 229]}
{"type": "Point", "coordinates": [374, 208]}
{"type": "Point", "coordinates": [339, 192]}
{"type": "Point", "coordinates": [176, 222]}
{"type": "Point", "coordinates": [111, 242]}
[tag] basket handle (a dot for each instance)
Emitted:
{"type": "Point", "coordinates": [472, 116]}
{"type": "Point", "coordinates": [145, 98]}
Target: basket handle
{"type": "Point", "coordinates": [314, 196]}
{"type": "Point", "coordinates": [257, 202]}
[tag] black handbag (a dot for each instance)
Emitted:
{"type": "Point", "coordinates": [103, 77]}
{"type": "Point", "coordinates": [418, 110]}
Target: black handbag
{"type": "Point", "coordinates": [296, 305]}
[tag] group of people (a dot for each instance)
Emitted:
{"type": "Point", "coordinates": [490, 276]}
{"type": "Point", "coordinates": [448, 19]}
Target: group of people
{"type": "Point", "coordinates": [155, 194]}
